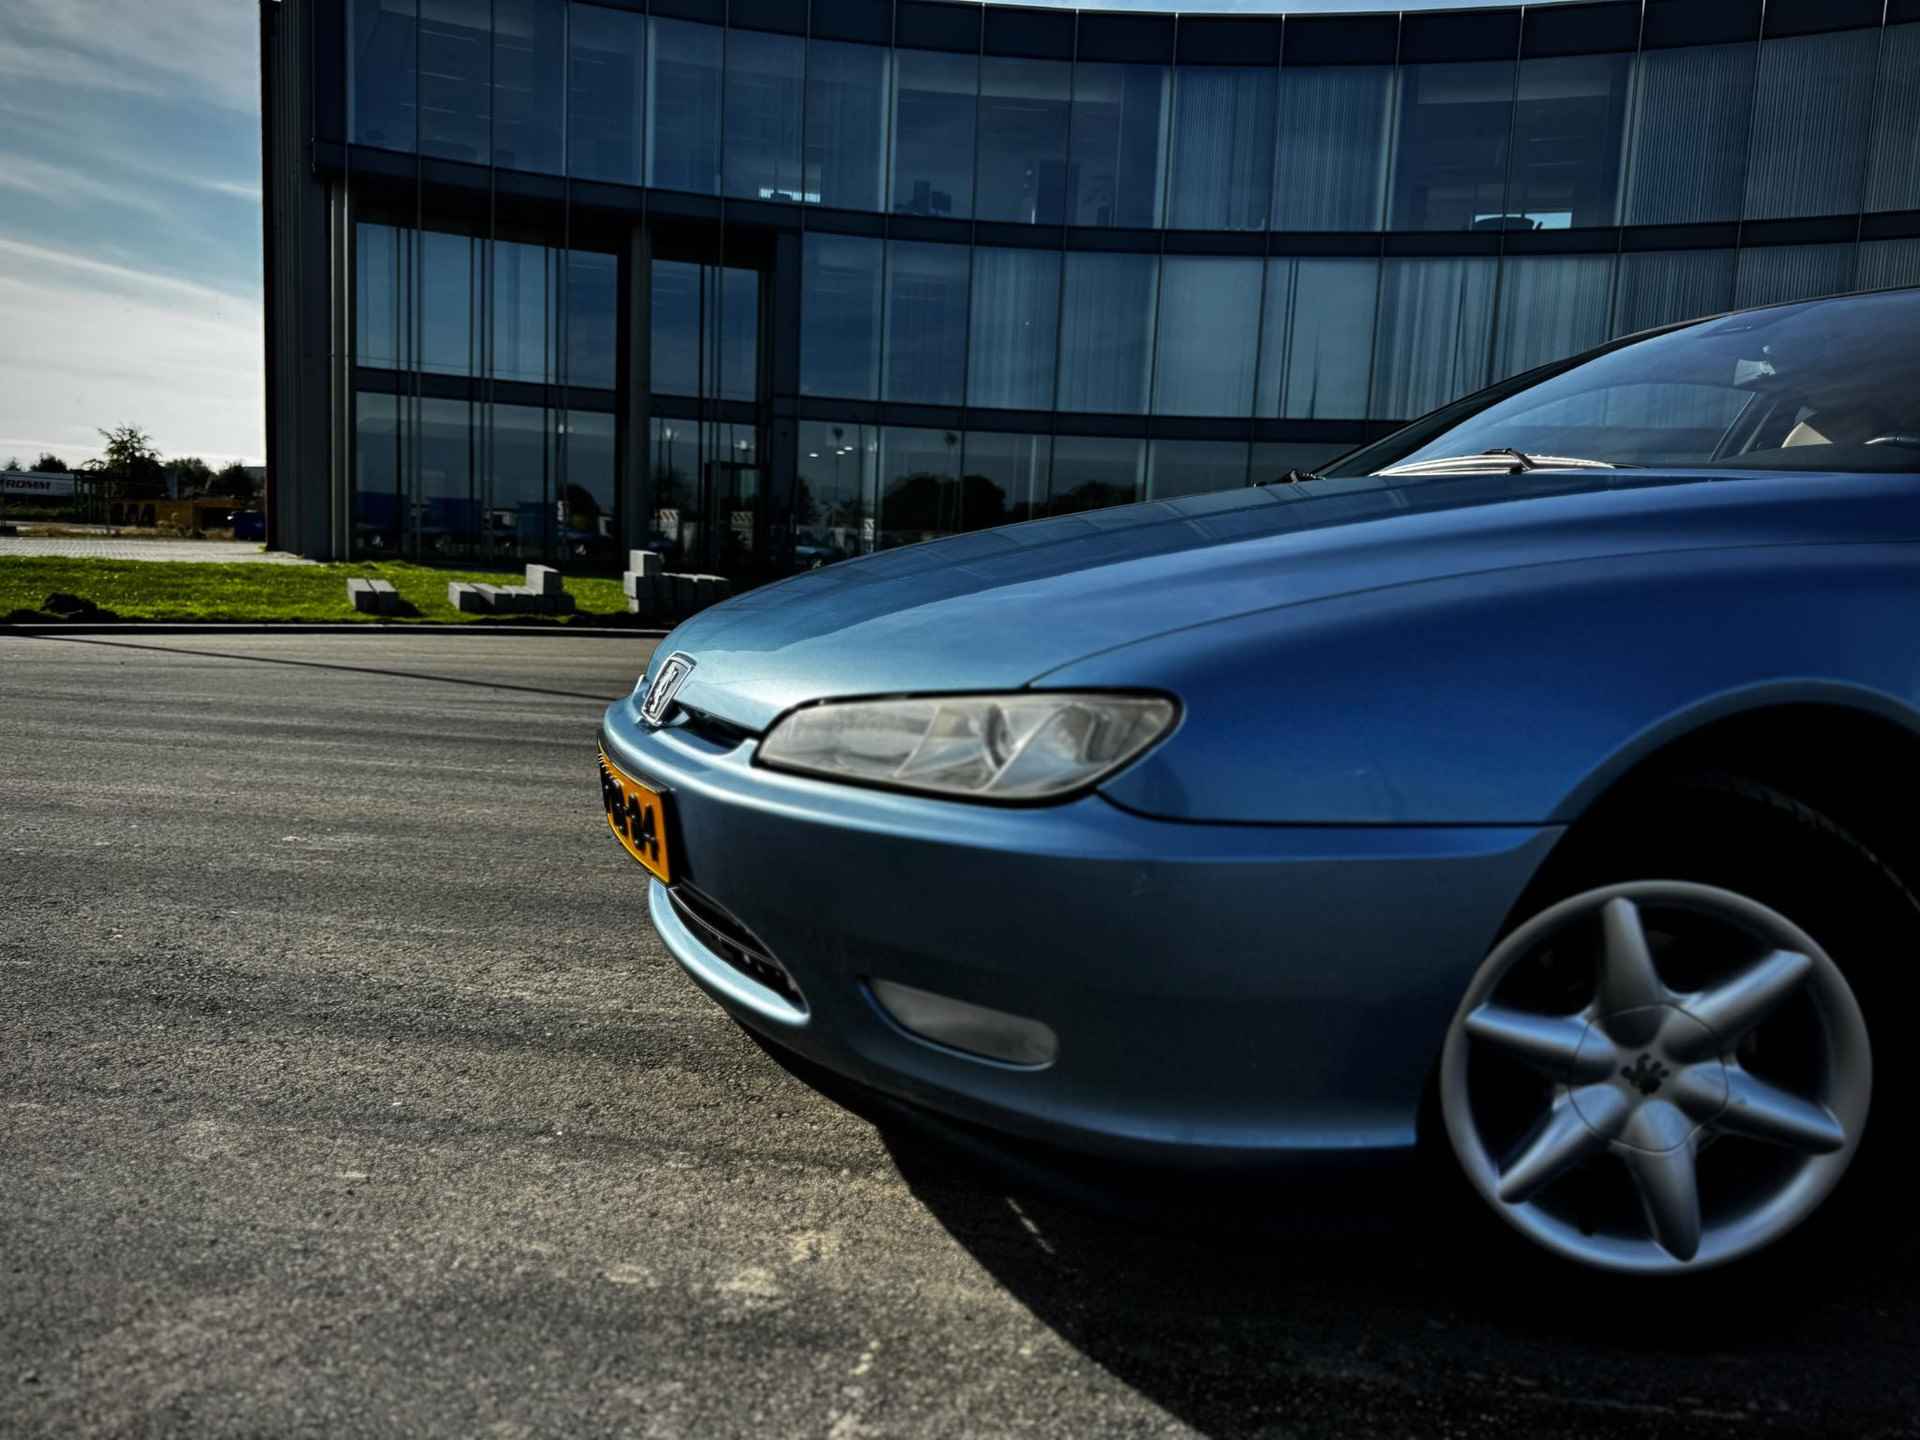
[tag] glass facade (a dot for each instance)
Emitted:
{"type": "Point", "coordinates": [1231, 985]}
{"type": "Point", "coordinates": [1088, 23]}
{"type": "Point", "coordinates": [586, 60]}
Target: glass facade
{"type": "Point", "coordinates": [848, 295]}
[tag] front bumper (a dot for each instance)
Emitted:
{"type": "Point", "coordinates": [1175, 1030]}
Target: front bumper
{"type": "Point", "coordinates": [1220, 992]}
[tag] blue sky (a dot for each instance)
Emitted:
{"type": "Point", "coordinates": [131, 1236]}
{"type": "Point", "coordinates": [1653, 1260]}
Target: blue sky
{"type": "Point", "coordinates": [130, 226]}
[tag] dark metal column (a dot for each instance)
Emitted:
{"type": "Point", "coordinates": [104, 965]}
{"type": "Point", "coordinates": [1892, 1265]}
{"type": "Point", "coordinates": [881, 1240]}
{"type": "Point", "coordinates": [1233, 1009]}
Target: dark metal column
{"type": "Point", "coordinates": [633, 433]}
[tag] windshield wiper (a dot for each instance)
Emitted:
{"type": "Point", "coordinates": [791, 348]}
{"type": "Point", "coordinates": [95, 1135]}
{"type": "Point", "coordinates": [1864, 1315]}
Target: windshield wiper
{"type": "Point", "coordinates": [1517, 461]}
{"type": "Point", "coordinates": [1292, 477]}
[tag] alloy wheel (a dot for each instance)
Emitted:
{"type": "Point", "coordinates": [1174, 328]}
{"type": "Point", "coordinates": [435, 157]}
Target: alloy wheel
{"type": "Point", "coordinates": [1656, 1077]}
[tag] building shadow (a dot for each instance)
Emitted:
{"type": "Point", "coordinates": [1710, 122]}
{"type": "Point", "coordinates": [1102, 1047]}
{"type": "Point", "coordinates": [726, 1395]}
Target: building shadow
{"type": "Point", "coordinates": [1322, 1301]}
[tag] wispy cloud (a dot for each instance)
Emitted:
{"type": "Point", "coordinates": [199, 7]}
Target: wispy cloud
{"type": "Point", "coordinates": [148, 47]}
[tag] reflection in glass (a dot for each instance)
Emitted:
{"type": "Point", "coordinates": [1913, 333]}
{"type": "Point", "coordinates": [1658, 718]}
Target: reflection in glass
{"type": "Point", "coordinates": [732, 535]}
{"type": "Point", "coordinates": [455, 47]}
{"type": "Point", "coordinates": [766, 98]}
{"type": "Point", "coordinates": [1657, 288]}
{"type": "Point", "coordinates": [1022, 130]}
{"type": "Point", "coordinates": [1316, 347]}
{"type": "Point", "coordinates": [446, 512]}
{"type": "Point", "coordinates": [585, 499]}
{"type": "Point", "coordinates": [676, 328]}
{"type": "Point", "coordinates": [1119, 144]}
{"type": "Point", "coordinates": [382, 328]}
{"type": "Point", "coordinates": [1330, 168]}
{"type": "Point", "coordinates": [606, 93]}
{"type": "Point", "coordinates": [1690, 123]}
{"type": "Point", "coordinates": [1106, 332]}
{"type": "Point", "coordinates": [1885, 263]}
{"type": "Point", "coordinates": [592, 292]}
{"type": "Point", "coordinates": [834, 505]}
{"type": "Point", "coordinates": [380, 81]}
{"type": "Point", "coordinates": [519, 518]}
{"type": "Point", "coordinates": [525, 312]}
{"type": "Point", "coordinates": [1091, 472]}
{"type": "Point", "coordinates": [1450, 166]}
{"type": "Point", "coordinates": [683, 140]}
{"type": "Point", "coordinates": [1016, 320]}
{"type": "Point", "coordinates": [1209, 336]}
{"type": "Point", "coordinates": [920, 496]}
{"type": "Point", "coordinates": [846, 124]}
{"type": "Point", "coordinates": [1551, 306]}
{"type": "Point", "coordinates": [449, 295]}
{"type": "Point", "coordinates": [1195, 467]}
{"type": "Point", "coordinates": [1432, 344]}
{"type": "Point", "coordinates": [1893, 176]}
{"type": "Point", "coordinates": [840, 316]}
{"type": "Point", "coordinates": [733, 333]}
{"type": "Point", "coordinates": [377, 470]}
{"type": "Point", "coordinates": [1568, 129]}
{"type": "Point", "coordinates": [1771, 274]}
{"type": "Point", "coordinates": [933, 108]}
{"type": "Point", "coordinates": [926, 322]}
{"type": "Point", "coordinates": [1003, 478]}
{"type": "Point", "coordinates": [1810, 121]}
{"type": "Point", "coordinates": [529, 61]}
{"type": "Point", "coordinates": [675, 469]}
{"type": "Point", "coordinates": [1272, 459]}
{"type": "Point", "coordinates": [1221, 175]}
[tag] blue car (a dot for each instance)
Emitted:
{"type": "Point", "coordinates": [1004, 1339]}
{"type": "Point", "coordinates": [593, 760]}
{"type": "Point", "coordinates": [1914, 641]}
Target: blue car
{"type": "Point", "coordinates": [1535, 785]}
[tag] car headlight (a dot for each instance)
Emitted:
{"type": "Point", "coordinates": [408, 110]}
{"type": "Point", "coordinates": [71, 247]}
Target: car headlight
{"type": "Point", "coordinates": [1034, 746]}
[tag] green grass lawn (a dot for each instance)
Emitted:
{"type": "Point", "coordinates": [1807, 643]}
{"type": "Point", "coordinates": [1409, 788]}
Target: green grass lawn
{"type": "Point", "coordinates": [180, 590]}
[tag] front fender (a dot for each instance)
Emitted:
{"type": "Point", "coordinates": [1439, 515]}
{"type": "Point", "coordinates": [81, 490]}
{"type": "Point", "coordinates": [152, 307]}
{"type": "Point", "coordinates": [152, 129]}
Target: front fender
{"type": "Point", "coordinates": [1510, 697]}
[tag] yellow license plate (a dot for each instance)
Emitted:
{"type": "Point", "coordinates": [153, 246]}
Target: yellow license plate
{"type": "Point", "coordinates": [636, 813]}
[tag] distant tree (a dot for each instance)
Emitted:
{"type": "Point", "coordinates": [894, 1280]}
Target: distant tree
{"type": "Point", "coordinates": [132, 463]}
{"type": "Point", "coordinates": [13, 465]}
{"type": "Point", "coordinates": [190, 476]}
{"type": "Point", "coordinates": [233, 480]}
{"type": "Point", "coordinates": [50, 464]}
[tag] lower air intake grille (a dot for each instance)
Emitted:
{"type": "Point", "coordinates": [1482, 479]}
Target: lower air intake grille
{"type": "Point", "coordinates": [733, 943]}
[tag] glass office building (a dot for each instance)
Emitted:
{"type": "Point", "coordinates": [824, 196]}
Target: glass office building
{"type": "Point", "coordinates": [764, 283]}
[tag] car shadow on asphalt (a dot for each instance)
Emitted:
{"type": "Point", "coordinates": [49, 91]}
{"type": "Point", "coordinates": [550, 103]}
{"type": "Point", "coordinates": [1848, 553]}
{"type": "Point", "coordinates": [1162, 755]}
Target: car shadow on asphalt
{"type": "Point", "coordinates": [1249, 1304]}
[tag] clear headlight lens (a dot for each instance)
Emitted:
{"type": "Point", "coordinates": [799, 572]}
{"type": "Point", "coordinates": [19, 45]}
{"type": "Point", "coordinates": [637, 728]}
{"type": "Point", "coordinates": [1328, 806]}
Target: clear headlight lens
{"type": "Point", "coordinates": [985, 747]}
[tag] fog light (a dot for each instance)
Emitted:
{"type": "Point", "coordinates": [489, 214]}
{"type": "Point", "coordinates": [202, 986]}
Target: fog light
{"type": "Point", "coordinates": [973, 1028]}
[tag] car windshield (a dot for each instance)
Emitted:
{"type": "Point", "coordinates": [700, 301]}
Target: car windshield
{"type": "Point", "coordinates": [1821, 385]}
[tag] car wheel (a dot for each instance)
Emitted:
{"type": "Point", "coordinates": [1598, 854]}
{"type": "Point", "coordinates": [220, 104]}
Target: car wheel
{"type": "Point", "coordinates": [1668, 1064]}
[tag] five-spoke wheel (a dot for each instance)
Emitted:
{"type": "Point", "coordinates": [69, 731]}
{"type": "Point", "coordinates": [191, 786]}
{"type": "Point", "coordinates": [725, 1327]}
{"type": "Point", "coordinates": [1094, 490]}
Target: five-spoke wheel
{"type": "Point", "coordinates": [1656, 1077]}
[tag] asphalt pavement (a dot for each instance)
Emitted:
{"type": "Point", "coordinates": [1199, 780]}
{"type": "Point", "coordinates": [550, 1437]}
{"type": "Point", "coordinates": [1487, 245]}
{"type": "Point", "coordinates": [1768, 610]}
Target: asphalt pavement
{"type": "Point", "coordinates": [345, 1089]}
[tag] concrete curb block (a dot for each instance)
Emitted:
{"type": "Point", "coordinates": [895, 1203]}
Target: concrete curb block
{"type": "Point", "coordinates": [298, 627]}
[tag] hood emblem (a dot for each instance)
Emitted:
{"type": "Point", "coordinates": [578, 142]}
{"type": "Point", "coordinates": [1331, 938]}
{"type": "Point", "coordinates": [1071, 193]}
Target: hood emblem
{"type": "Point", "coordinates": [673, 674]}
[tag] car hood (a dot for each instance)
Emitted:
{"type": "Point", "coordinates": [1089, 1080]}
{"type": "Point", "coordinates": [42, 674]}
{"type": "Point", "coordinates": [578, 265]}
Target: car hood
{"type": "Point", "coordinates": [998, 609]}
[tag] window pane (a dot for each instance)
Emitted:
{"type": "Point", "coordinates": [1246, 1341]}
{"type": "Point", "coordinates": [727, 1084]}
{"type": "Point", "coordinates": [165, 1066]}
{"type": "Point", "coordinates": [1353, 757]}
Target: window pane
{"type": "Point", "coordinates": [733, 333]}
{"type": "Point", "coordinates": [448, 284]}
{"type": "Point", "coordinates": [683, 141]}
{"type": "Point", "coordinates": [766, 93]}
{"type": "Point", "coordinates": [1658, 288]}
{"type": "Point", "coordinates": [676, 489]}
{"type": "Point", "coordinates": [1023, 140]}
{"type": "Point", "coordinates": [1450, 166]}
{"type": "Point", "coordinates": [1003, 478]}
{"type": "Point", "coordinates": [519, 450]}
{"type": "Point", "coordinates": [1316, 348]}
{"type": "Point", "coordinates": [592, 301]}
{"type": "Point", "coordinates": [1810, 124]}
{"type": "Point", "coordinates": [1568, 127]}
{"type": "Point", "coordinates": [1091, 472]}
{"type": "Point", "coordinates": [1769, 274]}
{"type": "Point", "coordinates": [586, 487]}
{"type": "Point", "coordinates": [1330, 171]}
{"type": "Point", "coordinates": [1221, 177]}
{"type": "Point", "coordinates": [933, 132]}
{"type": "Point", "coordinates": [676, 328]}
{"type": "Point", "coordinates": [1432, 343]}
{"type": "Point", "coordinates": [606, 94]}
{"type": "Point", "coordinates": [1195, 467]}
{"type": "Point", "coordinates": [920, 485]}
{"type": "Point", "coordinates": [524, 312]}
{"type": "Point", "coordinates": [1119, 144]}
{"type": "Point", "coordinates": [926, 322]}
{"type": "Point", "coordinates": [1209, 336]}
{"type": "Point", "coordinates": [1551, 306]}
{"type": "Point", "coordinates": [846, 124]}
{"type": "Point", "coordinates": [833, 509]}
{"type": "Point", "coordinates": [528, 65]}
{"type": "Point", "coordinates": [454, 63]}
{"type": "Point", "coordinates": [840, 316]}
{"type": "Point", "coordinates": [1272, 459]}
{"type": "Point", "coordinates": [1016, 320]}
{"type": "Point", "coordinates": [380, 57]}
{"type": "Point", "coordinates": [377, 455]}
{"type": "Point", "coordinates": [1106, 332]}
{"type": "Point", "coordinates": [1893, 182]}
{"type": "Point", "coordinates": [1690, 134]}
{"type": "Point", "coordinates": [447, 510]}
{"type": "Point", "coordinates": [1888, 262]}
{"type": "Point", "coordinates": [382, 324]}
